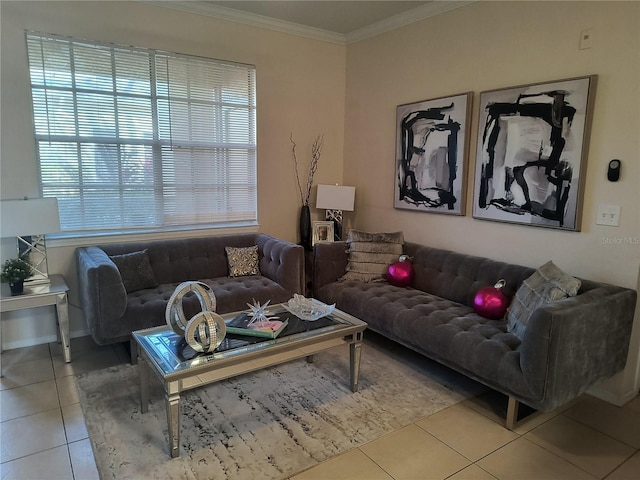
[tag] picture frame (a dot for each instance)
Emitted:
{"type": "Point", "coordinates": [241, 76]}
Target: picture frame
{"type": "Point", "coordinates": [432, 148]}
{"type": "Point", "coordinates": [531, 153]}
{"type": "Point", "coordinates": [322, 232]}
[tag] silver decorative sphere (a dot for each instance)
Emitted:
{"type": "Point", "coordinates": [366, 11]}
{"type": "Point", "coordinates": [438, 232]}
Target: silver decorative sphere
{"type": "Point", "coordinates": [174, 313]}
{"type": "Point", "coordinates": [205, 331]}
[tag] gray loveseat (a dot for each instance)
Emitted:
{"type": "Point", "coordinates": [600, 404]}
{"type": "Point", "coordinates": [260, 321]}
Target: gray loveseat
{"type": "Point", "coordinates": [568, 345]}
{"type": "Point", "coordinates": [112, 313]}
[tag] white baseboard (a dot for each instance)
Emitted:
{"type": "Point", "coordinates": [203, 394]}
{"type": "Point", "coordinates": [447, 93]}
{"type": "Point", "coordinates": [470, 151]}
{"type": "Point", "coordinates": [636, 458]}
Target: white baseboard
{"type": "Point", "coordinates": [617, 399]}
{"type": "Point", "coordinates": [30, 342]}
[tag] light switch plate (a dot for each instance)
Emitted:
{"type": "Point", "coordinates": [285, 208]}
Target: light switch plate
{"type": "Point", "coordinates": [608, 215]}
{"type": "Point", "coordinates": [586, 38]}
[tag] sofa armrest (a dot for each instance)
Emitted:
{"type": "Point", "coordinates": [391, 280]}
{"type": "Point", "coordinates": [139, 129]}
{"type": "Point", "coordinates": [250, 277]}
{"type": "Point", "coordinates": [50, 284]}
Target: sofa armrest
{"type": "Point", "coordinates": [282, 262]}
{"type": "Point", "coordinates": [571, 344]}
{"type": "Point", "coordinates": [103, 297]}
{"type": "Point", "coordinates": [329, 262]}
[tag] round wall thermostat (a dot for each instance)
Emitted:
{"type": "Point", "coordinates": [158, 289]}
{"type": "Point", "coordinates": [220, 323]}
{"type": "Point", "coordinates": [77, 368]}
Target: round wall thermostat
{"type": "Point", "coordinates": [613, 172]}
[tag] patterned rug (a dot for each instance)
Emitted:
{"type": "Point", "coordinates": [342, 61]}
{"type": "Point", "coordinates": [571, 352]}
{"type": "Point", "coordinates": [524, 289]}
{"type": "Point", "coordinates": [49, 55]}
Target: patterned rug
{"type": "Point", "coordinates": [269, 424]}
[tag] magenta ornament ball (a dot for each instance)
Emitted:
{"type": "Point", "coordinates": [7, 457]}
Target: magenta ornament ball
{"type": "Point", "coordinates": [491, 302]}
{"type": "Point", "coordinates": [400, 274]}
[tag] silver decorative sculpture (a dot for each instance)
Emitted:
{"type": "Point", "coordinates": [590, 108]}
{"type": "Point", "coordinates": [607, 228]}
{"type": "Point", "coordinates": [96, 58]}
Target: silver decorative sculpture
{"type": "Point", "coordinates": [258, 312]}
{"type": "Point", "coordinates": [205, 330]}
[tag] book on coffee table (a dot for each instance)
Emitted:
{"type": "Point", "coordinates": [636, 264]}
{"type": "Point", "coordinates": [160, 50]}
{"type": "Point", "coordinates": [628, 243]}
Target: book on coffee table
{"type": "Point", "coordinates": [268, 329]}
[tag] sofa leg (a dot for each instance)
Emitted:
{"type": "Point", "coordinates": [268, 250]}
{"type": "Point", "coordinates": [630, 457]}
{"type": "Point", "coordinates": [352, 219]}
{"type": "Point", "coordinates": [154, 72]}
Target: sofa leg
{"type": "Point", "coordinates": [512, 413]}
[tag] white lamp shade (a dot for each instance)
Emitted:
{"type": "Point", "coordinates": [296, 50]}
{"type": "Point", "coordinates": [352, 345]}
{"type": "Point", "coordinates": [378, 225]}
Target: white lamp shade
{"type": "Point", "coordinates": [29, 217]}
{"type": "Point", "coordinates": [336, 197]}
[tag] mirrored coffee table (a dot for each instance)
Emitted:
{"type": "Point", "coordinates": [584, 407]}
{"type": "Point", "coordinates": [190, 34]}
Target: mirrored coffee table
{"type": "Point", "coordinates": [180, 368]}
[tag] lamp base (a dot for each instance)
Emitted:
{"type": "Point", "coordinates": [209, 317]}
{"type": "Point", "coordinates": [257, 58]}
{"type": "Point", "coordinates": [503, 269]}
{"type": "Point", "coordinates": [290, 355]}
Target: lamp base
{"type": "Point", "coordinates": [33, 248]}
{"type": "Point", "coordinates": [336, 217]}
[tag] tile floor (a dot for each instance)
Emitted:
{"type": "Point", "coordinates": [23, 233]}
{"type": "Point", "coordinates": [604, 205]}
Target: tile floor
{"type": "Point", "coordinates": [44, 435]}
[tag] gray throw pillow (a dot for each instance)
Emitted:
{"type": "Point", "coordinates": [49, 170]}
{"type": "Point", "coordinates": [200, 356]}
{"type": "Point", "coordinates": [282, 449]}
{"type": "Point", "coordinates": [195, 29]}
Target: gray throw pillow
{"type": "Point", "coordinates": [135, 270]}
{"type": "Point", "coordinates": [370, 254]}
{"type": "Point", "coordinates": [547, 284]}
{"type": "Point", "coordinates": [242, 261]}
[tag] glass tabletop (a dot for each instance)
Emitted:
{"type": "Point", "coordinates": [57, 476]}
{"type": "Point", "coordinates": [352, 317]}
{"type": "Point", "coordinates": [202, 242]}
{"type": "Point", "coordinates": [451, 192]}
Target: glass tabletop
{"type": "Point", "coordinates": [171, 353]}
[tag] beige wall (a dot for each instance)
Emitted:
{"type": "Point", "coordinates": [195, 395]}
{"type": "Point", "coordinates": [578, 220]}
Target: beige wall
{"type": "Point", "coordinates": [489, 45]}
{"type": "Point", "coordinates": [300, 91]}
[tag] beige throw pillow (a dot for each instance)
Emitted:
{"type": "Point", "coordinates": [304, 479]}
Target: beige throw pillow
{"type": "Point", "coordinates": [242, 261]}
{"type": "Point", "coordinates": [547, 284]}
{"type": "Point", "coordinates": [370, 255]}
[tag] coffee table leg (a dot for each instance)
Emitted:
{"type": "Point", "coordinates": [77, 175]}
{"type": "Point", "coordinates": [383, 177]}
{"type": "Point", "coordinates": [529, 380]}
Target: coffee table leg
{"type": "Point", "coordinates": [143, 374]}
{"type": "Point", "coordinates": [172, 399]}
{"type": "Point", "coordinates": [355, 352]}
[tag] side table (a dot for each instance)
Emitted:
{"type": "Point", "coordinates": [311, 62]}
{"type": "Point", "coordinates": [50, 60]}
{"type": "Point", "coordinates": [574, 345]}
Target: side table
{"type": "Point", "coordinates": [53, 293]}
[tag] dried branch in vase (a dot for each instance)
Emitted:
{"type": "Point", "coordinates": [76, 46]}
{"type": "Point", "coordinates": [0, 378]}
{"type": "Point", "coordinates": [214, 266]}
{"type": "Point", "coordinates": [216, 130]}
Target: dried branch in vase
{"type": "Point", "coordinates": [316, 151]}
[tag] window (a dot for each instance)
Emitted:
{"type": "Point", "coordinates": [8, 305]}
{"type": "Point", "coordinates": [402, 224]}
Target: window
{"type": "Point", "coordinates": [132, 139]}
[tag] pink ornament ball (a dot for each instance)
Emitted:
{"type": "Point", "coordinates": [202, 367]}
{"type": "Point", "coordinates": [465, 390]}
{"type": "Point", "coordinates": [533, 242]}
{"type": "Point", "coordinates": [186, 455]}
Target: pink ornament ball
{"type": "Point", "coordinates": [400, 274]}
{"type": "Point", "coordinates": [491, 302]}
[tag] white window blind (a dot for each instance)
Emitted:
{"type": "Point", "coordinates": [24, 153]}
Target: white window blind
{"type": "Point", "coordinates": [136, 139]}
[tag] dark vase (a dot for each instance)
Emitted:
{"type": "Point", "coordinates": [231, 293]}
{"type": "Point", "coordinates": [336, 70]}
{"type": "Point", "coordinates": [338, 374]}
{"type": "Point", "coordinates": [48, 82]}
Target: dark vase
{"type": "Point", "coordinates": [17, 287]}
{"type": "Point", "coordinates": [305, 227]}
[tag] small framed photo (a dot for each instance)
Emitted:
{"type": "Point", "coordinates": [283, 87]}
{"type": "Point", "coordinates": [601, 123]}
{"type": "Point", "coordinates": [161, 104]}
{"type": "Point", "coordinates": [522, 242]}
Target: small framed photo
{"type": "Point", "coordinates": [322, 232]}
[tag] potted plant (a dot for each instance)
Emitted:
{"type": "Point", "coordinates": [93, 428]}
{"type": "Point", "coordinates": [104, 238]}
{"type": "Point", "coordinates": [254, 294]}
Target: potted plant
{"type": "Point", "coordinates": [14, 272]}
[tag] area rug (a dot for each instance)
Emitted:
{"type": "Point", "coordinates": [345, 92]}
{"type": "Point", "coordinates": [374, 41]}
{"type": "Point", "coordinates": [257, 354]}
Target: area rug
{"type": "Point", "coordinates": [269, 424]}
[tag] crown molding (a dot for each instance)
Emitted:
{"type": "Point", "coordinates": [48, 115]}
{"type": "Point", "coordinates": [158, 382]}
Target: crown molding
{"type": "Point", "coordinates": [427, 10]}
{"type": "Point", "coordinates": [253, 19]}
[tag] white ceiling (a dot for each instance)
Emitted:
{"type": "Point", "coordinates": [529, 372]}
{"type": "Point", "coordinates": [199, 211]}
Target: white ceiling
{"type": "Point", "coordinates": [341, 22]}
{"type": "Point", "coordinates": [334, 16]}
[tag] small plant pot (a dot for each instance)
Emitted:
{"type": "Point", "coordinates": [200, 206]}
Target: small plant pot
{"type": "Point", "coordinates": [17, 287]}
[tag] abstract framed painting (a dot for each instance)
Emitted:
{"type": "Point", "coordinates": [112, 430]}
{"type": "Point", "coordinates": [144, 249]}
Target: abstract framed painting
{"type": "Point", "coordinates": [431, 154]}
{"type": "Point", "coordinates": [531, 153]}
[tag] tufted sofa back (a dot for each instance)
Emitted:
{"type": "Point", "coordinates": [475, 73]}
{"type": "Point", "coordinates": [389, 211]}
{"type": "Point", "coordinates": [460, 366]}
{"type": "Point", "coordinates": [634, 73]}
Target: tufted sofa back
{"type": "Point", "coordinates": [180, 260]}
{"type": "Point", "coordinates": [175, 261]}
{"type": "Point", "coordinates": [457, 276]}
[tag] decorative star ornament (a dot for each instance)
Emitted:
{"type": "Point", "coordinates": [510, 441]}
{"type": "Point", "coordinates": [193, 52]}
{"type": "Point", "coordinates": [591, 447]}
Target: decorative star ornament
{"type": "Point", "coordinates": [258, 312]}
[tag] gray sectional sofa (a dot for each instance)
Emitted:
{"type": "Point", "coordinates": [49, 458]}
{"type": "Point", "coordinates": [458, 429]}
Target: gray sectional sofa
{"type": "Point", "coordinates": [567, 346]}
{"type": "Point", "coordinates": [113, 310]}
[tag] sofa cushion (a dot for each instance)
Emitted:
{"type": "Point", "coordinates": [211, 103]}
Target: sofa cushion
{"type": "Point", "coordinates": [242, 261]}
{"type": "Point", "coordinates": [370, 254]}
{"type": "Point", "coordinates": [147, 308]}
{"type": "Point", "coordinates": [547, 284]}
{"type": "Point", "coordinates": [135, 270]}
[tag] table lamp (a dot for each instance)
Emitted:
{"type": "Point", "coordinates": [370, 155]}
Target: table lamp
{"type": "Point", "coordinates": [29, 220]}
{"type": "Point", "coordinates": [336, 199]}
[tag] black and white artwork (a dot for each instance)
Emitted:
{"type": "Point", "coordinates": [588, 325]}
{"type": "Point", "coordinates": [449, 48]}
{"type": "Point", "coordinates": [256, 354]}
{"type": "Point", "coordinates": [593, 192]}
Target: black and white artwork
{"type": "Point", "coordinates": [531, 153]}
{"type": "Point", "coordinates": [431, 152]}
